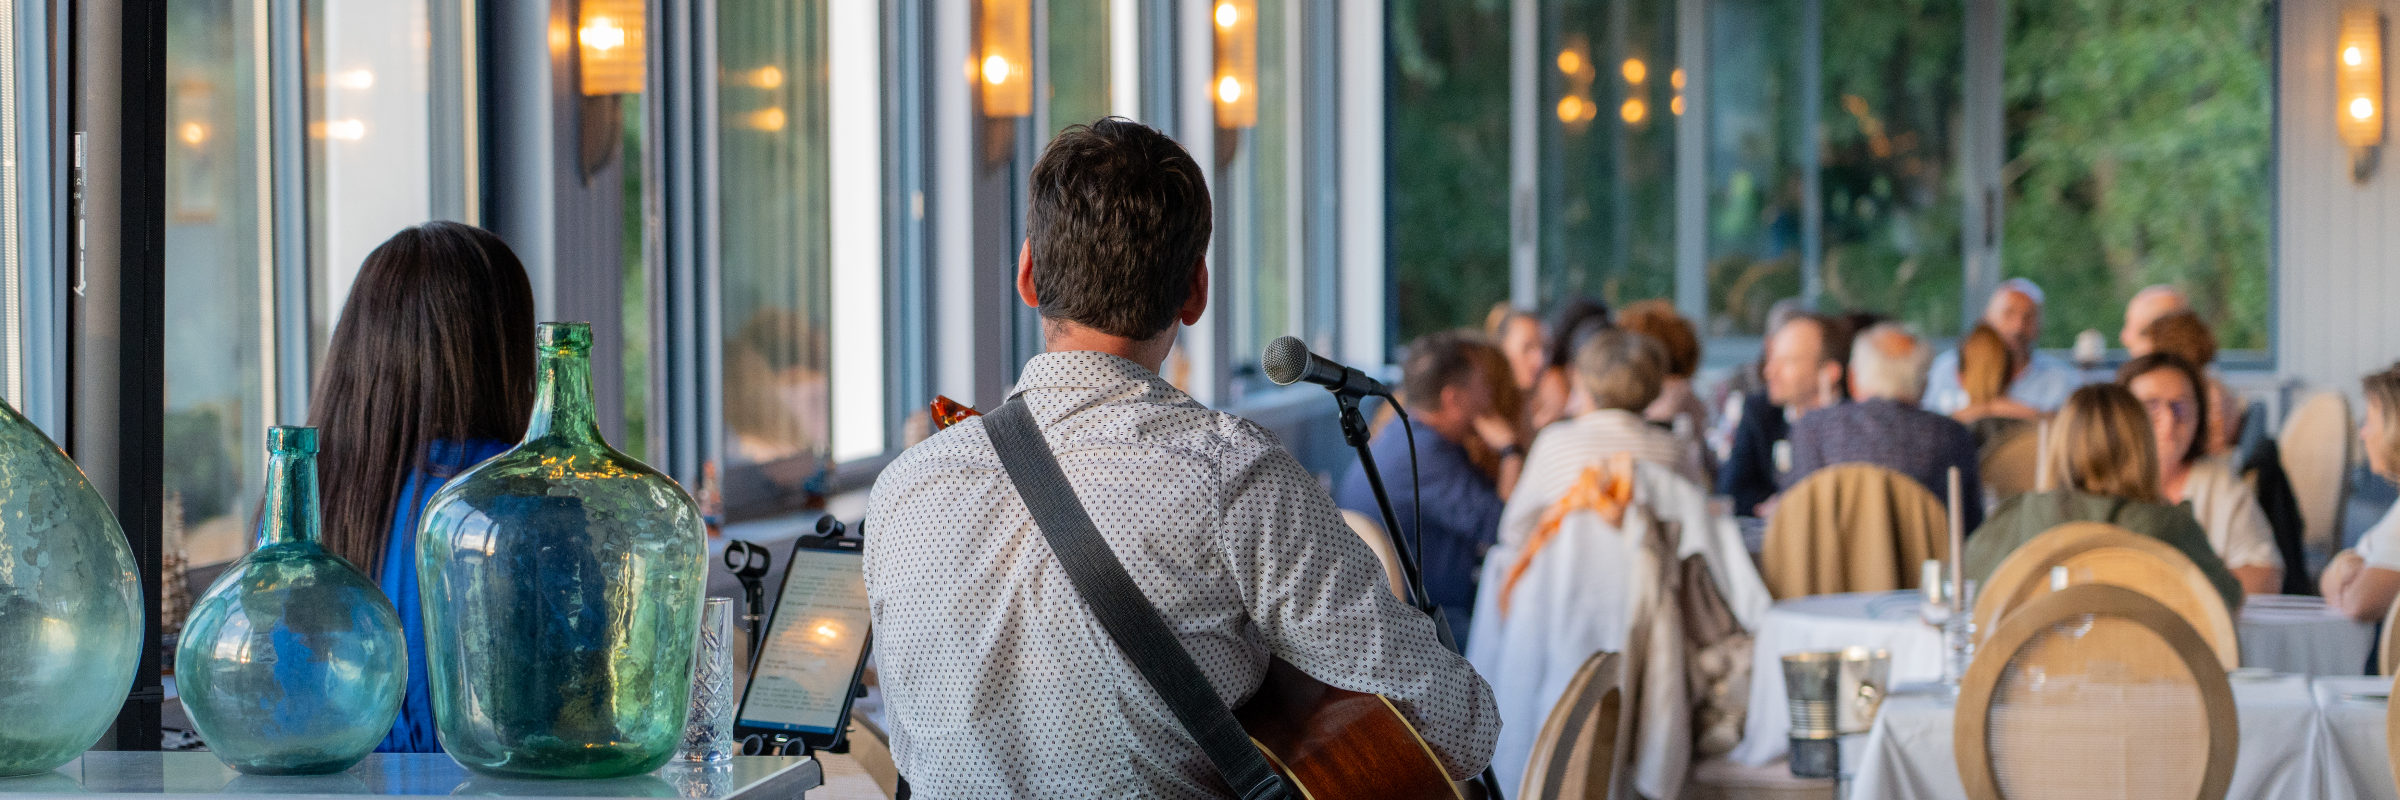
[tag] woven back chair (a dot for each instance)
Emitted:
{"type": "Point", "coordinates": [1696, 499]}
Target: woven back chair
{"type": "Point", "coordinates": [2384, 658]}
{"type": "Point", "coordinates": [2316, 444]}
{"type": "Point", "coordinates": [2095, 692]}
{"type": "Point", "coordinates": [1582, 747]}
{"type": "Point", "coordinates": [2093, 552]}
{"type": "Point", "coordinates": [2013, 466]}
{"type": "Point", "coordinates": [1372, 532]}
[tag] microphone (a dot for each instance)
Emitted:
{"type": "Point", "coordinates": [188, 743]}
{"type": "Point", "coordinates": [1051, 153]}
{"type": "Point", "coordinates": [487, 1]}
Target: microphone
{"type": "Point", "coordinates": [1287, 361]}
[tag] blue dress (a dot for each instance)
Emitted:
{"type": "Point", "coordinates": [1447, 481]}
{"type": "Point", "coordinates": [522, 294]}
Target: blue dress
{"type": "Point", "coordinates": [414, 731]}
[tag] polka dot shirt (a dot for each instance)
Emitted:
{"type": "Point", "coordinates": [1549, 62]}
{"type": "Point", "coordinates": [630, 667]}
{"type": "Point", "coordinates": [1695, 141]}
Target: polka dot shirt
{"type": "Point", "coordinates": [1001, 683]}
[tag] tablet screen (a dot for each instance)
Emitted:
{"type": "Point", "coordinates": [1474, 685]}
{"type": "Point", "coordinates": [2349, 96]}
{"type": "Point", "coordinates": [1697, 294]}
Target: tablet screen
{"type": "Point", "coordinates": [814, 645]}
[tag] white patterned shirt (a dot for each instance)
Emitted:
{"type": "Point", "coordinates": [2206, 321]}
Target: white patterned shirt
{"type": "Point", "coordinates": [1001, 683]}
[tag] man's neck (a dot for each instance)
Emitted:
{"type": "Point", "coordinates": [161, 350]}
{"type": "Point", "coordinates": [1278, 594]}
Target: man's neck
{"type": "Point", "coordinates": [1064, 337]}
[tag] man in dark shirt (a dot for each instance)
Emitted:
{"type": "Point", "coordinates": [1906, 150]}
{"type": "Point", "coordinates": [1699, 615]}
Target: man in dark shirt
{"type": "Point", "coordinates": [1802, 374]}
{"type": "Point", "coordinates": [1888, 368]}
{"type": "Point", "coordinates": [1446, 395]}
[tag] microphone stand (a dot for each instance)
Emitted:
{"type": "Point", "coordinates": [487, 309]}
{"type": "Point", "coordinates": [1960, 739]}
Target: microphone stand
{"type": "Point", "coordinates": [1354, 431]}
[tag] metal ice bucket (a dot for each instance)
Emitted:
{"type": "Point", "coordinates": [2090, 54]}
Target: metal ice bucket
{"type": "Point", "coordinates": [1831, 692]}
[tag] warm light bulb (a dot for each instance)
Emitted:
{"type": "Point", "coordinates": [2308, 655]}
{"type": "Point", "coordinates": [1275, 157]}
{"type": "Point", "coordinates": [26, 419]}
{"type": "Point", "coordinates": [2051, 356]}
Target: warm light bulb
{"type": "Point", "coordinates": [995, 70]}
{"type": "Point", "coordinates": [1634, 110]}
{"type": "Point", "coordinates": [358, 79]}
{"type": "Point", "coordinates": [826, 631]}
{"type": "Point", "coordinates": [770, 118]}
{"type": "Point", "coordinates": [1676, 105]}
{"type": "Point", "coordinates": [1226, 15]}
{"type": "Point", "coordinates": [1228, 89]}
{"type": "Point", "coordinates": [2362, 108]}
{"type": "Point", "coordinates": [1635, 70]}
{"type": "Point", "coordinates": [1570, 62]}
{"type": "Point", "coordinates": [1676, 78]}
{"type": "Point", "coordinates": [193, 133]}
{"type": "Point", "coordinates": [1570, 108]}
{"type": "Point", "coordinates": [350, 129]}
{"type": "Point", "coordinates": [767, 77]}
{"type": "Point", "coordinates": [2352, 57]}
{"type": "Point", "coordinates": [602, 34]}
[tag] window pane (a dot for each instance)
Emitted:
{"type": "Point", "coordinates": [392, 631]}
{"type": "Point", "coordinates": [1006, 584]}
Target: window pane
{"type": "Point", "coordinates": [2140, 138]}
{"type": "Point", "coordinates": [771, 56]}
{"type": "Point", "coordinates": [1078, 63]}
{"type": "Point", "coordinates": [1893, 73]}
{"type": "Point", "coordinates": [1754, 127]}
{"type": "Point", "coordinates": [1254, 189]}
{"type": "Point", "coordinates": [1610, 89]}
{"type": "Point", "coordinates": [217, 406]}
{"type": "Point", "coordinates": [1448, 157]}
{"type": "Point", "coordinates": [369, 136]}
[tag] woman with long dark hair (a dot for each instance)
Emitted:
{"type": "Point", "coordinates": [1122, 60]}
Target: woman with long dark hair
{"type": "Point", "coordinates": [429, 372]}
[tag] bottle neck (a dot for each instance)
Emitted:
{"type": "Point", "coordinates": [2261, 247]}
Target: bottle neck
{"type": "Point", "coordinates": [562, 406]}
{"type": "Point", "coordinates": [291, 512]}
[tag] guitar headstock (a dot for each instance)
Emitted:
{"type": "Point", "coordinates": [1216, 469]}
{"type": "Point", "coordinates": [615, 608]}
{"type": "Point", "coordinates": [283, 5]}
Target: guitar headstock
{"type": "Point", "coordinates": [947, 412]}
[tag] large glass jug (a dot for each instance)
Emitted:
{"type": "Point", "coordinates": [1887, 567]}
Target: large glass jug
{"type": "Point", "coordinates": [293, 662]}
{"type": "Point", "coordinates": [70, 605]}
{"type": "Point", "coordinates": [562, 583]}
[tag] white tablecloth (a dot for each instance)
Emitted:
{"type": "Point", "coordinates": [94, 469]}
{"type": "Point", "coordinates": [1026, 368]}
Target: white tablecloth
{"type": "Point", "coordinates": [2358, 766]}
{"type": "Point", "coordinates": [1888, 621]}
{"type": "Point", "coordinates": [2288, 633]}
{"type": "Point", "coordinates": [1909, 754]}
{"type": "Point", "coordinates": [2280, 632]}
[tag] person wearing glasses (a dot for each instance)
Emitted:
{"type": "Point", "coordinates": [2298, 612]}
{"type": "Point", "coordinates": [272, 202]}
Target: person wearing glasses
{"type": "Point", "coordinates": [2171, 391]}
{"type": "Point", "coordinates": [2103, 467]}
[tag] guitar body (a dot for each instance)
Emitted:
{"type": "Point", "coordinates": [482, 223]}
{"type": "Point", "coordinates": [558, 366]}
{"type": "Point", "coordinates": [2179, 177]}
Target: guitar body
{"type": "Point", "coordinates": [1336, 744]}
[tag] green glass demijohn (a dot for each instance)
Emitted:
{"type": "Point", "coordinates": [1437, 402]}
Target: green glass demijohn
{"type": "Point", "coordinates": [293, 662]}
{"type": "Point", "coordinates": [561, 584]}
{"type": "Point", "coordinates": [70, 605]}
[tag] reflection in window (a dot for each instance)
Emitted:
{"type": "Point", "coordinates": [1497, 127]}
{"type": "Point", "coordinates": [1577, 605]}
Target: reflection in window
{"type": "Point", "coordinates": [1754, 153]}
{"type": "Point", "coordinates": [2140, 136]}
{"type": "Point", "coordinates": [216, 257]}
{"type": "Point", "coordinates": [1612, 95]}
{"type": "Point", "coordinates": [1254, 184]}
{"type": "Point", "coordinates": [1448, 158]}
{"type": "Point", "coordinates": [1893, 72]}
{"type": "Point", "coordinates": [1888, 80]}
{"type": "Point", "coordinates": [775, 269]}
{"type": "Point", "coordinates": [1077, 63]}
{"type": "Point", "coordinates": [370, 143]}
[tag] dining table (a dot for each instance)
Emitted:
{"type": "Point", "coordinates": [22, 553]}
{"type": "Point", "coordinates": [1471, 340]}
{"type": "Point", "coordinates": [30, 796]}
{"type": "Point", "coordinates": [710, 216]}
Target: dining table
{"type": "Point", "coordinates": [2285, 634]}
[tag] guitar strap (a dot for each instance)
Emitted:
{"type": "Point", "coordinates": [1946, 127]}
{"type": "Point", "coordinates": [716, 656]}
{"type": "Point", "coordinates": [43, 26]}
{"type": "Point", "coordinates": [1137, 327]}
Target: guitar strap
{"type": "Point", "coordinates": [1123, 610]}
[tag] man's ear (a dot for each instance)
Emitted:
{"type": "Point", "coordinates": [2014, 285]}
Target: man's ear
{"type": "Point", "coordinates": [1193, 306]}
{"type": "Point", "coordinates": [1025, 276]}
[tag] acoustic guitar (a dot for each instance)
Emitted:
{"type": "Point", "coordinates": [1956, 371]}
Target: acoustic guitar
{"type": "Point", "coordinates": [1328, 743]}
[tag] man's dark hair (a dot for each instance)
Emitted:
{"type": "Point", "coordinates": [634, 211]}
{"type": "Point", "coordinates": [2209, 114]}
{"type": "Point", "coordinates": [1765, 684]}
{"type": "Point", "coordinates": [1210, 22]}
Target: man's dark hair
{"type": "Point", "coordinates": [1436, 361]}
{"type": "Point", "coordinates": [1120, 218]}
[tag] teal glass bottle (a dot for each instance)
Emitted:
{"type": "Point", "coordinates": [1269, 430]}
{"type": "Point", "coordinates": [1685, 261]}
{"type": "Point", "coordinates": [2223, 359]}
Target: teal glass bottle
{"type": "Point", "coordinates": [293, 662]}
{"type": "Point", "coordinates": [70, 605]}
{"type": "Point", "coordinates": [561, 583]}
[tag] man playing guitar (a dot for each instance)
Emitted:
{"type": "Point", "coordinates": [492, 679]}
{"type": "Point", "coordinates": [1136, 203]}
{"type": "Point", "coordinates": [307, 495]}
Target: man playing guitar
{"type": "Point", "coordinates": [999, 680]}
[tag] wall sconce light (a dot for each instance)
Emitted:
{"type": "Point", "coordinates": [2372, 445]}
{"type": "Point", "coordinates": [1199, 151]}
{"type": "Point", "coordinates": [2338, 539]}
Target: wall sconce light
{"type": "Point", "coordinates": [2358, 87]}
{"type": "Point", "coordinates": [1236, 87]}
{"type": "Point", "coordinates": [609, 36]}
{"type": "Point", "coordinates": [1006, 69]}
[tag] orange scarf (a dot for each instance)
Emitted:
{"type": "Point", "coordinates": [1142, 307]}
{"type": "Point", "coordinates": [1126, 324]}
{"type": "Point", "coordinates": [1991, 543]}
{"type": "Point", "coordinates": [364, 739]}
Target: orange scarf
{"type": "Point", "coordinates": [1605, 489]}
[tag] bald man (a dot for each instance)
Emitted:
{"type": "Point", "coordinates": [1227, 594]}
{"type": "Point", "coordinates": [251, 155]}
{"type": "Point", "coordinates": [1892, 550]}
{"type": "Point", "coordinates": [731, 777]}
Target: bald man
{"type": "Point", "coordinates": [2042, 381]}
{"type": "Point", "coordinates": [2147, 306]}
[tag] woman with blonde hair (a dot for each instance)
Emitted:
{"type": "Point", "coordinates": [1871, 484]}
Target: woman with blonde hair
{"type": "Point", "coordinates": [2363, 580]}
{"type": "Point", "coordinates": [2103, 467]}
{"type": "Point", "coordinates": [1984, 365]}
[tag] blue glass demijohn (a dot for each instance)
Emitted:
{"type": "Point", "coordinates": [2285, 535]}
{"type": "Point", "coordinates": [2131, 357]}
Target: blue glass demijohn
{"type": "Point", "coordinates": [293, 662]}
{"type": "Point", "coordinates": [561, 583]}
{"type": "Point", "coordinates": [70, 605]}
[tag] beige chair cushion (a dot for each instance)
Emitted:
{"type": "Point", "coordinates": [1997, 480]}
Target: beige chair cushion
{"type": "Point", "coordinates": [2316, 446]}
